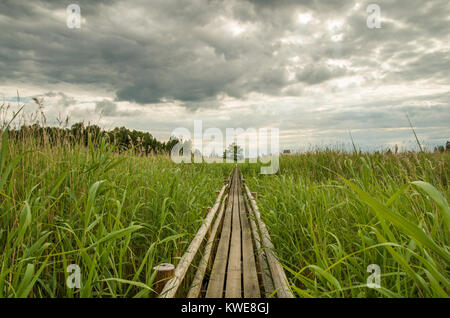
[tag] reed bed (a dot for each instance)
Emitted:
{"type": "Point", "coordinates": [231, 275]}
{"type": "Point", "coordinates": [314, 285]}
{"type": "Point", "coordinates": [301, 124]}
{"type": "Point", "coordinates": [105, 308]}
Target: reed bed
{"type": "Point", "coordinates": [331, 214]}
{"type": "Point", "coordinates": [116, 214]}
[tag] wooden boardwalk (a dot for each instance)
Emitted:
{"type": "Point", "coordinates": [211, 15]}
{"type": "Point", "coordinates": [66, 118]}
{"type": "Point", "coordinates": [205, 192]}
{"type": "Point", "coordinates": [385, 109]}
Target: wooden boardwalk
{"type": "Point", "coordinates": [238, 258]}
{"type": "Point", "coordinates": [235, 265]}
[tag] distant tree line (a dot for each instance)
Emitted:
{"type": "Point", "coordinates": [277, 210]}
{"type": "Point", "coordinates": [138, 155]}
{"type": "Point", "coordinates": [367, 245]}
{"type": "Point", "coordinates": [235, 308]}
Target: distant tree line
{"type": "Point", "coordinates": [443, 148]}
{"type": "Point", "coordinates": [122, 138]}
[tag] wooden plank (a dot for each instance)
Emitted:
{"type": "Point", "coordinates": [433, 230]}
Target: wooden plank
{"type": "Point", "coordinates": [172, 285]}
{"type": "Point", "coordinates": [217, 277]}
{"type": "Point", "coordinates": [250, 275]}
{"type": "Point", "coordinates": [279, 276]}
{"type": "Point", "coordinates": [262, 261]}
{"type": "Point", "coordinates": [234, 273]}
{"type": "Point", "coordinates": [196, 286]}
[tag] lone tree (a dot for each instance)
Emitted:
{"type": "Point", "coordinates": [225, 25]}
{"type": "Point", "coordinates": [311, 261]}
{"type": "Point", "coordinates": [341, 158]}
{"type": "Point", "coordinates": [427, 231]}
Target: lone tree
{"type": "Point", "coordinates": [234, 151]}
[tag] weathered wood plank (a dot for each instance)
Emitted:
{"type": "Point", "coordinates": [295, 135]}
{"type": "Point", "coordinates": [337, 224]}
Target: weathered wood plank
{"type": "Point", "coordinates": [196, 286]}
{"type": "Point", "coordinates": [234, 273]}
{"type": "Point", "coordinates": [217, 277]}
{"type": "Point", "coordinates": [262, 261]}
{"type": "Point", "coordinates": [250, 275]}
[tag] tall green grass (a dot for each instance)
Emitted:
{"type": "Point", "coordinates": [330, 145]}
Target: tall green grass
{"type": "Point", "coordinates": [333, 214]}
{"type": "Point", "coordinates": [116, 216]}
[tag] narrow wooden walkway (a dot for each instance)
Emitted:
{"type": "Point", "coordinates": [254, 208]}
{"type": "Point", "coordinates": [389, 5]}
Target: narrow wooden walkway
{"type": "Point", "coordinates": [238, 258]}
{"type": "Point", "coordinates": [235, 265]}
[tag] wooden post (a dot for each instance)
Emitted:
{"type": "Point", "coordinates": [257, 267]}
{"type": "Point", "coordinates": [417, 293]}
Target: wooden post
{"type": "Point", "coordinates": [164, 272]}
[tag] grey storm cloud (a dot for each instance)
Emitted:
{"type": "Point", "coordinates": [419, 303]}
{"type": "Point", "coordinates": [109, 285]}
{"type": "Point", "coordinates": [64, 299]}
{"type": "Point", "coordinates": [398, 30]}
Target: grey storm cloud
{"type": "Point", "coordinates": [63, 100]}
{"type": "Point", "coordinates": [315, 74]}
{"type": "Point", "coordinates": [166, 50]}
{"type": "Point", "coordinates": [106, 107]}
{"type": "Point", "coordinates": [109, 108]}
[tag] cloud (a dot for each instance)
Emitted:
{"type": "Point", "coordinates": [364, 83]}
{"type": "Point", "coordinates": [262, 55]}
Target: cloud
{"type": "Point", "coordinates": [109, 108]}
{"type": "Point", "coordinates": [253, 62]}
{"type": "Point", "coordinates": [63, 100]}
{"type": "Point", "coordinates": [192, 53]}
{"type": "Point", "coordinates": [315, 74]}
{"type": "Point", "coordinates": [106, 107]}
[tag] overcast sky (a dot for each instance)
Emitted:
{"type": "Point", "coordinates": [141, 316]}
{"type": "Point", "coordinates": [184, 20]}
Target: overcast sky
{"type": "Point", "coordinates": [313, 69]}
